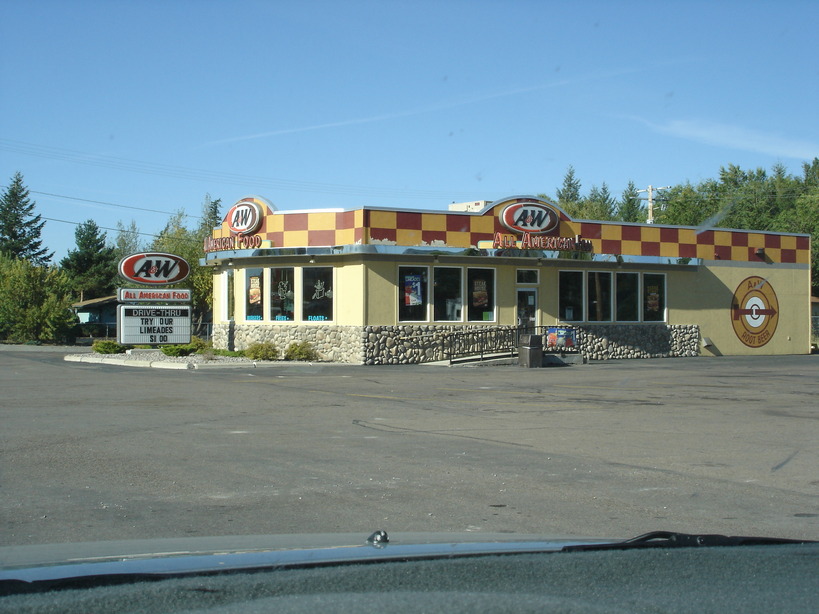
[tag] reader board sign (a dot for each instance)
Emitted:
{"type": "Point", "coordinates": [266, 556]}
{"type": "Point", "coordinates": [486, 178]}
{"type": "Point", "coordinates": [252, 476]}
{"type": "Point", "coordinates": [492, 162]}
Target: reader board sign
{"type": "Point", "coordinates": [153, 324]}
{"type": "Point", "coordinates": [166, 295]}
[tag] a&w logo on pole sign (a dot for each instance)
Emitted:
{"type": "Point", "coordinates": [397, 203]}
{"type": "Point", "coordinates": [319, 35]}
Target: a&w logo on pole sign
{"type": "Point", "coordinates": [154, 268]}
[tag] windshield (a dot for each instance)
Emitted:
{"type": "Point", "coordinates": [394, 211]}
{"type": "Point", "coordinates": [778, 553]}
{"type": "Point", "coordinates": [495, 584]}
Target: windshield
{"type": "Point", "coordinates": [477, 268]}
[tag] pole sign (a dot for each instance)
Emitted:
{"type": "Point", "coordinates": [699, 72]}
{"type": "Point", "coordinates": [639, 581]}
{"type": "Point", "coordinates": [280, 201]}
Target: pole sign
{"type": "Point", "coordinates": [154, 324]}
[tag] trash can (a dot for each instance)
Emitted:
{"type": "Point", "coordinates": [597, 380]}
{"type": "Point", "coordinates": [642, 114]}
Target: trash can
{"type": "Point", "coordinates": [530, 353]}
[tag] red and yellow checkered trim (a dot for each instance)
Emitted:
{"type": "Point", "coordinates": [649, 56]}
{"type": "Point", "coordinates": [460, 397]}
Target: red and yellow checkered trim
{"type": "Point", "coordinates": [466, 229]}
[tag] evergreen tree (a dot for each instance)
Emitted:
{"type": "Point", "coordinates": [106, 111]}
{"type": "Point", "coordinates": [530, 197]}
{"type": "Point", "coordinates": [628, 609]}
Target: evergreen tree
{"type": "Point", "coordinates": [630, 209]}
{"type": "Point", "coordinates": [92, 267]}
{"type": "Point", "coordinates": [127, 241]}
{"type": "Point", "coordinates": [599, 205]}
{"type": "Point", "coordinates": [568, 196]}
{"type": "Point", "coordinates": [20, 228]}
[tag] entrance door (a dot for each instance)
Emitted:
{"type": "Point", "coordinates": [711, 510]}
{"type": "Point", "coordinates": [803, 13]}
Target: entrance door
{"type": "Point", "coordinates": [527, 308]}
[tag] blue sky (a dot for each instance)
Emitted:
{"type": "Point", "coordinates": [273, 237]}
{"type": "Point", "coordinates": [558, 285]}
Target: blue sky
{"type": "Point", "coordinates": [411, 104]}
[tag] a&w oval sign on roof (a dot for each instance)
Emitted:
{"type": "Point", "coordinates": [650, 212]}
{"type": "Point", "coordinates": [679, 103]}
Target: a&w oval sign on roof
{"type": "Point", "coordinates": [529, 216]}
{"type": "Point", "coordinates": [154, 268]}
{"type": "Point", "coordinates": [244, 217]}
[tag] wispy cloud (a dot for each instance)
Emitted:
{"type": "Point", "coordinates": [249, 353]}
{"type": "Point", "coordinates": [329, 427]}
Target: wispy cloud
{"type": "Point", "coordinates": [427, 109]}
{"type": "Point", "coordinates": [736, 137]}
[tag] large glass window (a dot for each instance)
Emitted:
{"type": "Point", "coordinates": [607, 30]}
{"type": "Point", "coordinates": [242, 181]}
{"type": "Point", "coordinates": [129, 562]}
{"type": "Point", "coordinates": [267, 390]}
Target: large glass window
{"type": "Point", "coordinates": [627, 297]}
{"type": "Point", "coordinates": [446, 288]}
{"type": "Point", "coordinates": [253, 294]}
{"type": "Point", "coordinates": [480, 285]}
{"type": "Point", "coordinates": [570, 303]}
{"type": "Point", "coordinates": [282, 291]}
{"type": "Point", "coordinates": [317, 294]}
{"type": "Point", "coordinates": [412, 300]}
{"type": "Point", "coordinates": [598, 297]}
{"type": "Point", "coordinates": [527, 276]}
{"type": "Point", "coordinates": [653, 297]}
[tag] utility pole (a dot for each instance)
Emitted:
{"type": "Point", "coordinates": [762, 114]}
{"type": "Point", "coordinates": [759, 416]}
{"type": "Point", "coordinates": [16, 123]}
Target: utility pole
{"type": "Point", "coordinates": [651, 189]}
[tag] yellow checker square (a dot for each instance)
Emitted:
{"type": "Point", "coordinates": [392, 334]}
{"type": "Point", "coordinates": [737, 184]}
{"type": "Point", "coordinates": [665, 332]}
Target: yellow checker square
{"type": "Point", "coordinates": [321, 221]}
{"type": "Point", "coordinates": [756, 240]}
{"type": "Point", "coordinates": [345, 237]}
{"type": "Point", "coordinates": [788, 243]}
{"type": "Point", "coordinates": [687, 236]}
{"type": "Point", "coordinates": [739, 254]}
{"type": "Point", "coordinates": [669, 250]}
{"type": "Point", "coordinates": [433, 221]}
{"type": "Point", "coordinates": [383, 219]}
{"type": "Point", "coordinates": [650, 235]}
{"type": "Point", "coordinates": [705, 252]}
{"type": "Point", "coordinates": [407, 237]}
{"type": "Point", "coordinates": [802, 256]}
{"type": "Point", "coordinates": [722, 238]}
{"type": "Point", "coordinates": [631, 248]}
{"type": "Point", "coordinates": [484, 223]}
{"type": "Point", "coordinates": [457, 239]}
{"type": "Point", "coordinates": [611, 232]}
{"type": "Point", "coordinates": [294, 238]}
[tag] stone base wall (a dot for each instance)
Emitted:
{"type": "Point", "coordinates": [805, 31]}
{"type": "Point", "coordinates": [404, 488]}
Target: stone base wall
{"type": "Point", "coordinates": [414, 344]}
{"type": "Point", "coordinates": [611, 341]}
{"type": "Point", "coordinates": [332, 343]}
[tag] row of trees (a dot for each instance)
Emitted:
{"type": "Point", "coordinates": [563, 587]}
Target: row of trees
{"type": "Point", "coordinates": [752, 200]}
{"type": "Point", "coordinates": [36, 295]}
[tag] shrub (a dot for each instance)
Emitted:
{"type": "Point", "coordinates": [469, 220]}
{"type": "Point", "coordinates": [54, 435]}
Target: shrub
{"type": "Point", "coordinates": [198, 344]}
{"type": "Point", "coordinates": [177, 350]}
{"type": "Point", "coordinates": [300, 351]}
{"type": "Point", "coordinates": [108, 347]}
{"type": "Point", "coordinates": [262, 351]}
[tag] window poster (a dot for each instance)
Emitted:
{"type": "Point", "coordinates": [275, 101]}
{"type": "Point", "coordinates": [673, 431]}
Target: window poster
{"type": "Point", "coordinates": [254, 293]}
{"type": "Point", "coordinates": [413, 290]}
{"type": "Point", "coordinates": [480, 294]}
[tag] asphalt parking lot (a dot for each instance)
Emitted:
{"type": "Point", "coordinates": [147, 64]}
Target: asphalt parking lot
{"type": "Point", "coordinates": [98, 452]}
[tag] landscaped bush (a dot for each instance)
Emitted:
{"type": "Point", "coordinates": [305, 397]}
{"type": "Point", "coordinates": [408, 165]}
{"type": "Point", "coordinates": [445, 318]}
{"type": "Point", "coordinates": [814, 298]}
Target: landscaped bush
{"type": "Point", "coordinates": [108, 347]}
{"type": "Point", "coordinates": [300, 351]}
{"type": "Point", "coordinates": [177, 350]}
{"type": "Point", "coordinates": [199, 344]}
{"type": "Point", "coordinates": [262, 351]}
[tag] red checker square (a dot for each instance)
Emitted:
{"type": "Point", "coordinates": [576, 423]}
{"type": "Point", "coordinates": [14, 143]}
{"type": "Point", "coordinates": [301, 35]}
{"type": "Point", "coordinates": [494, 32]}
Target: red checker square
{"type": "Point", "coordinates": [276, 238]}
{"type": "Point", "coordinates": [631, 233]}
{"type": "Point", "coordinates": [788, 256]}
{"type": "Point", "coordinates": [321, 237]}
{"type": "Point", "coordinates": [773, 241]}
{"type": "Point", "coordinates": [428, 236]}
{"type": "Point", "coordinates": [295, 221]}
{"type": "Point", "coordinates": [739, 239]}
{"type": "Point", "coordinates": [669, 235]}
{"type": "Point", "coordinates": [345, 219]}
{"type": "Point", "coordinates": [474, 237]}
{"type": "Point", "coordinates": [651, 248]}
{"type": "Point", "coordinates": [705, 238]}
{"type": "Point", "coordinates": [408, 221]}
{"type": "Point", "coordinates": [803, 243]}
{"type": "Point", "coordinates": [457, 223]}
{"type": "Point", "coordinates": [611, 246]}
{"type": "Point", "coordinates": [590, 231]}
{"type": "Point", "coordinates": [382, 234]}
{"type": "Point", "coordinates": [688, 250]}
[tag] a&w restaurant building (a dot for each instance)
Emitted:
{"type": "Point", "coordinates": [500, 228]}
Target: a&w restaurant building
{"type": "Point", "coordinates": [393, 286]}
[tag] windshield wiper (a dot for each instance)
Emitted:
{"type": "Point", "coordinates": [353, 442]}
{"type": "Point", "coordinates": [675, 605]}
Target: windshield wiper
{"type": "Point", "coordinates": [669, 539]}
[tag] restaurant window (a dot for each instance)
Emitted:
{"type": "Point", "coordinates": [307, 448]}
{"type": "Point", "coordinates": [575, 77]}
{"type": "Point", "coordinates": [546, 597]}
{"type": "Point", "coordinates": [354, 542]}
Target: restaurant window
{"type": "Point", "coordinates": [253, 294]}
{"type": "Point", "coordinates": [447, 299]}
{"type": "Point", "coordinates": [412, 299]}
{"type": "Point", "coordinates": [480, 285]}
{"type": "Point", "coordinates": [527, 276]}
{"type": "Point", "coordinates": [282, 291]}
{"type": "Point", "coordinates": [627, 297]}
{"type": "Point", "coordinates": [653, 297]}
{"type": "Point", "coordinates": [570, 303]}
{"type": "Point", "coordinates": [598, 297]}
{"type": "Point", "coordinates": [317, 294]}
